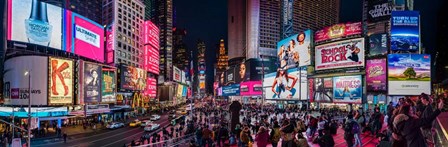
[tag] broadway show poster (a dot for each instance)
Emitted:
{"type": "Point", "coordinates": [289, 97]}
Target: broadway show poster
{"type": "Point", "coordinates": [295, 51]}
{"type": "Point", "coordinates": [378, 44]}
{"type": "Point", "coordinates": [61, 81]}
{"type": "Point", "coordinates": [341, 54]}
{"type": "Point", "coordinates": [133, 78]}
{"type": "Point", "coordinates": [409, 74]}
{"type": "Point", "coordinates": [92, 83]}
{"type": "Point", "coordinates": [376, 75]}
{"type": "Point", "coordinates": [323, 90]}
{"type": "Point", "coordinates": [347, 89]}
{"type": "Point", "coordinates": [405, 31]}
{"type": "Point", "coordinates": [108, 86]}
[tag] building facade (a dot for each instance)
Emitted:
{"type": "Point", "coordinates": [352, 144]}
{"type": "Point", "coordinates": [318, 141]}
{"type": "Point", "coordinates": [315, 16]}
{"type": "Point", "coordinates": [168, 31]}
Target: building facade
{"type": "Point", "coordinates": [236, 25]}
{"type": "Point", "coordinates": [181, 56]}
{"type": "Point", "coordinates": [223, 60]}
{"type": "Point", "coordinates": [314, 15]}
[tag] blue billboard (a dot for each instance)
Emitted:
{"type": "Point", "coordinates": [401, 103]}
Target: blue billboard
{"type": "Point", "coordinates": [231, 90]}
{"type": "Point", "coordinates": [347, 89]}
{"type": "Point", "coordinates": [405, 31]}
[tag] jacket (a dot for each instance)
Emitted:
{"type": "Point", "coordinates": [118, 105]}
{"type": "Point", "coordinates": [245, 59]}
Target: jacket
{"type": "Point", "coordinates": [244, 137]}
{"type": "Point", "coordinates": [409, 128]}
{"type": "Point", "coordinates": [262, 139]}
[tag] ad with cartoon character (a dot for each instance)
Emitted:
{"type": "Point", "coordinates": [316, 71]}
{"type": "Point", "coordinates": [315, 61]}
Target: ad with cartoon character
{"type": "Point", "coordinates": [341, 54]}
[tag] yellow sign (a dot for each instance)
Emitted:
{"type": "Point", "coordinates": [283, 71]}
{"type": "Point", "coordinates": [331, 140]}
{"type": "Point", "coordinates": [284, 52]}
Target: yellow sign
{"type": "Point", "coordinates": [61, 81]}
{"type": "Point", "coordinates": [180, 88]}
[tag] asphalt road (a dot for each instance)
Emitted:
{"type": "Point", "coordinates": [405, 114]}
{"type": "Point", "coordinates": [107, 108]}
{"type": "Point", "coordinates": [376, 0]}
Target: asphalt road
{"type": "Point", "coordinates": [103, 138]}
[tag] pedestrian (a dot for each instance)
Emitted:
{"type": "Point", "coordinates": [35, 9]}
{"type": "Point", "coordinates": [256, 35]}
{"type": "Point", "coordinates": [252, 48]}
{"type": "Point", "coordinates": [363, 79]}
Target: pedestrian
{"type": "Point", "coordinates": [348, 134]}
{"type": "Point", "coordinates": [262, 137]}
{"type": "Point", "coordinates": [244, 137]}
{"type": "Point", "coordinates": [65, 137]}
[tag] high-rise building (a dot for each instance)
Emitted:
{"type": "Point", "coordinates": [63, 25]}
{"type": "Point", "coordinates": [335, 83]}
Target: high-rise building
{"type": "Point", "coordinates": [126, 19]}
{"type": "Point", "coordinates": [314, 15]}
{"type": "Point", "coordinates": [222, 62]}
{"type": "Point", "coordinates": [181, 56]}
{"type": "Point", "coordinates": [89, 9]}
{"type": "Point", "coordinates": [236, 23]}
{"type": "Point", "coordinates": [150, 9]}
{"type": "Point", "coordinates": [201, 67]}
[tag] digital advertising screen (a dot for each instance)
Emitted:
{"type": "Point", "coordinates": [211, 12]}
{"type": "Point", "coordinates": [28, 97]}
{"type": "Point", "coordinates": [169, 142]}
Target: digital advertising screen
{"type": "Point", "coordinates": [231, 90]}
{"type": "Point", "coordinates": [338, 31]}
{"type": "Point", "coordinates": [341, 54]}
{"type": "Point", "coordinates": [151, 87]}
{"type": "Point", "coordinates": [132, 78]}
{"type": "Point", "coordinates": [295, 51]}
{"type": "Point", "coordinates": [256, 67]}
{"type": "Point", "coordinates": [376, 75]}
{"type": "Point", "coordinates": [251, 88]}
{"type": "Point", "coordinates": [16, 84]}
{"type": "Point", "coordinates": [378, 44]}
{"type": "Point", "coordinates": [347, 89]}
{"type": "Point", "coordinates": [409, 74]}
{"type": "Point", "coordinates": [61, 81]}
{"type": "Point", "coordinates": [323, 90]}
{"type": "Point", "coordinates": [179, 90]}
{"type": "Point", "coordinates": [83, 36]}
{"type": "Point", "coordinates": [108, 86]}
{"type": "Point", "coordinates": [230, 76]}
{"type": "Point", "coordinates": [177, 75]}
{"type": "Point", "coordinates": [92, 82]}
{"type": "Point", "coordinates": [284, 84]}
{"type": "Point", "coordinates": [378, 10]}
{"type": "Point", "coordinates": [35, 22]}
{"type": "Point", "coordinates": [110, 44]}
{"type": "Point", "coordinates": [151, 59]}
{"type": "Point", "coordinates": [405, 31]}
{"type": "Point", "coordinates": [242, 72]}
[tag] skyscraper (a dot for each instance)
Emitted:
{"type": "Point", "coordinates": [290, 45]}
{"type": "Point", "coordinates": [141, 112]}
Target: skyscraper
{"type": "Point", "coordinates": [314, 15]}
{"type": "Point", "coordinates": [222, 62]}
{"type": "Point", "coordinates": [181, 56]}
{"type": "Point", "coordinates": [201, 67]}
{"type": "Point", "coordinates": [89, 9]}
{"type": "Point", "coordinates": [236, 23]}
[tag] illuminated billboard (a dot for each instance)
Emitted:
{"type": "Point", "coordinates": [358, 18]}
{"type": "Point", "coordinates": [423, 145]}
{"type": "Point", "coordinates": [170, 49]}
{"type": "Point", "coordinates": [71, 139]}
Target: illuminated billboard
{"type": "Point", "coordinates": [132, 78]}
{"type": "Point", "coordinates": [409, 74]}
{"type": "Point", "coordinates": [16, 84]}
{"type": "Point", "coordinates": [151, 46]}
{"type": "Point", "coordinates": [151, 87]}
{"type": "Point", "coordinates": [295, 51]}
{"type": "Point", "coordinates": [405, 31]}
{"type": "Point", "coordinates": [321, 90]}
{"type": "Point", "coordinates": [91, 82]}
{"type": "Point", "coordinates": [347, 89]}
{"type": "Point", "coordinates": [35, 22]}
{"type": "Point", "coordinates": [378, 44]}
{"type": "Point", "coordinates": [83, 36]}
{"type": "Point", "coordinates": [376, 75]}
{"type": "Point", "coordinates": [251, 88]}
{"type": "Point", "coordinates": [110, 43]}
{"type": "Point", "coordinates": [286, 84]}
{"type": "Point", "coordinates": [378, 10]}
{"type": "Point", "coordinates": [60, 88]}
{"type": "Point", "coordinates": [177, 74]}
{"type": "Point", "coordinates": [341, 54]}
{"type": "Point", "coordinates": [338, 31]}
{"type": "Point", "coordinates": [108, 86]}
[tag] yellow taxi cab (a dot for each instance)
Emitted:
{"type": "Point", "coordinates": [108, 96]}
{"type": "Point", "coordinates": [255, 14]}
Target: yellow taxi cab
{"type": "Point", "coordinates": [183, 112]}
{"type": "Point", "coordinates": [135, 123]}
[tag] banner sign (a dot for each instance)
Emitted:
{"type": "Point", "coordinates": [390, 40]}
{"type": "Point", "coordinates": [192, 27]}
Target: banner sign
{"type": "Point", "coordinates": [323, 90]}
{"type": "Point", "coordinates": [341, 54]}
{"type": "Point", "coordinates": [295, 51]}
{"type": "Point", "coordinates": [132, 78]}
{"type": "Point", "coordinates": [61, 81]}
{"type": "Point", "coordinates": [405, 31]}
{"type": "Point", "coordinates": [378, 44]}
{"type": "Point", "coordinates": [108, 86]}
{"type": "Point", "coordinates": [251, 88]}
{"type": "Point", "coordinates": [177, 75]}
{"type": "Point", "coordinates": [409, 74]}
{"type": "Point", "coordinates": [376, 75]}
{"type": "Point", "coordinates": [97, 109]}
{"type": "Point", "coordinates": [347, 89]}
{"type": "Point", "coordinates": [338, 31]}
{"type": "Point", "coordinates": [231, 90]}
{"type": "Point", "coordinates": [378, 10]}
{"type": "Point", "coordinates": [92, 83]}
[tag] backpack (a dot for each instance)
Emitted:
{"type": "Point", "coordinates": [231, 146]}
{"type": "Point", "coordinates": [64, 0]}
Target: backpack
{"type": "Point", "coordinates": [355, 128]}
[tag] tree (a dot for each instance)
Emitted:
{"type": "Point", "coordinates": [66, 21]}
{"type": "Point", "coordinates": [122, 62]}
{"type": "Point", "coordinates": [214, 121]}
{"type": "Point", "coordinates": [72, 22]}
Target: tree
{"type": "Point", "coordinates": [410, 72]}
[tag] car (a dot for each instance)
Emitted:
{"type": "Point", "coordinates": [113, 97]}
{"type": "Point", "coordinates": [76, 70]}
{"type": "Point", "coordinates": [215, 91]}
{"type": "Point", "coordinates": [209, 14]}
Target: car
{"type": "Point", "coordinates": [172, 114]}
{"type": "Point", "coordinates": [115, 125]}
{"type": "Point", "coordinates": [155, 117]}
{"type": "Point", "coordinates": [145, 123]}
{"type": "Point", "coordinates": [152, 127]}
{"type": "Point", "coordinates": [135, 123]}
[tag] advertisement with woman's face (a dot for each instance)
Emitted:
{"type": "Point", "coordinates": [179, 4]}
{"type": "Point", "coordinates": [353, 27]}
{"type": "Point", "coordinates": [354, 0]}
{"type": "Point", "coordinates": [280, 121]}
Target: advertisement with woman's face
{"type": "Point", "coordinates": [283, 84]}
{"type": "Point", "coordinates": [242, 73]}
{"type": "Point", "coordinates": [295, 50]}
{"type": "Point", "coordinates": [92, 83]}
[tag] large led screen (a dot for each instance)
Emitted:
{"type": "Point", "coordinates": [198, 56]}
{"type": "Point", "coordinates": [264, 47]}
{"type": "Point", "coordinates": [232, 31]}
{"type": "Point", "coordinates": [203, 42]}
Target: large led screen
{"type": "Point", "coordinates": [35, 22]}
{"type": "Point", "coordinates": [341, 54]}
{"type": "Point", "coordinates": [322, 90]}
{"type": "Point", "coordinates": [376, 75]}
{"type": "Point", "coordinates": [151, 43]}
{"type": "Point", "coordinates": [61, 81]}
{"type": "Point", "coordinates": [151, 87]}
{"type": "Point", "coordinates": [378, 44]}
{"type": "Point", "coordinates": [108, 86]}
{"type": "Point", "coordinates": [231, 90]}
{"type": "Point", "coordinates": [92, 83]}
{"type": "Point", "coordinates": [83, 36]}
{"type": "Point", "coordinates": [132, 78]}
{"type": "Point", "coordinates": [378, 10]}
{"type": "Point", "coordinates": [347, 89]}
{"type": "Point", "coordinates": [284, 84]}
{"type": "Point", "coordinates": [16, 83]}
{"type": "Point", "coordinates": [338, 31]}
{"type": "Point", "coordinates": [405, 31]}
{"type": "Point", "coordinates": [409, 74]}
{"type": "Point", "coordinates": [295, 51]}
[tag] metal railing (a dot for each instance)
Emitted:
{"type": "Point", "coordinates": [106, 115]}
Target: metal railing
{"type": "Point", "coordinates": [170, 142]}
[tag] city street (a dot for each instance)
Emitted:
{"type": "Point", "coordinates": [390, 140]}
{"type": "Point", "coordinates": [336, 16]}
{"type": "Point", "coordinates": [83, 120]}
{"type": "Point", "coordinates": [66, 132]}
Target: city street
{"type": "Point", "coordinates": [104, 138]}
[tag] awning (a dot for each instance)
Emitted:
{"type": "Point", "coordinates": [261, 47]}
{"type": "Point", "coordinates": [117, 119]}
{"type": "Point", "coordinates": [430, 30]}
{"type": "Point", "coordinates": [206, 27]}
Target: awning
{"type": "Point", "coordinates": [55, 118]}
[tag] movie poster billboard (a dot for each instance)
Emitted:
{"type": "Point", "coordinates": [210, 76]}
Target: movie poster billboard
{"type": "Point", "coordinates": [284, 84]}
{"type": "Point", "coordinates": [61, 81]}
{"type": "Point", "coordinates": [35, 22]}
{"type": "Point", "coordinates": [92, 82]}
{"type": "Point", "coordinates": [347, 89]}
{"type": "Point", "coordinates": [376, 75]}
{"type": "Point", "coordinates": [409, 74]}
{"type": "Point", "coordinates": [341, 54]}
{"type": "Point", "coordinates": [108, 86]}
{"type": "Point", "coordinates": [338, 31]}
{"type": "Point", "coordinates": [378, 10]}
{"type": "Point", "coordinates": [405, 31]}
{"type": "Point", "coordinates": [295, 51]}
{"type": "Point", "coordinates": [323, 90]}
{"type": "Point", "coordinates": [378, 44]}
{"type": "Point", "coordinates": [132, 78]}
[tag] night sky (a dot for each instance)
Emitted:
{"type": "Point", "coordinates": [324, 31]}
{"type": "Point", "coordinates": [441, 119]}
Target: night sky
{"type": "Point", "coordinates": [207, 20]}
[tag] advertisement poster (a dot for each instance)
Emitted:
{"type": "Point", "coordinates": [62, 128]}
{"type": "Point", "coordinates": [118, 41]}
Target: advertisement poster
{"type": "Point", "coordinates": [409, 74]}
{"type": "Point", "coordinates": [323, 90]}
{"type": "Point", "coordinates": [405, 31]}
{"type": "Point", "coordinates": [242, 73]}
{"type": "Point", "coordinates": [347, 89]}
{"type": "Point", "coordinates": [230, 76]}
{"type": "Point", "coordinates": [179, 90]}
{"type": "Point", "coordinates": [61, 81]}
{"type": "Point", "coordinates": [338, 31]}
{"type": "Point", "coordinates": [251, 88]}
{"type": "Point", "coordinates": [231, 90]}
{"type": "Point", "coordinates": [341, 54]}
{"type": "Point", "coordinates": [16, 84]}
{"type": "Point", "coordinates": [284, 84]}
{"type": "Point", "coordinates": [378, 44]}
{"type": "Point", "coordinates": [108, 87]}
{"type": "Point", "coordinates": [35, 22]}
{"type": "Point", "coordinates": [376, 75]}
{"type": "Point", "coordinates": [295, 51]}
{"type": "Point", "coordinates": [378, 10]}
{"type": "Point", "coordinates": [177, 75]}
{"type": "Point", "coordinates": [311, 89]}
{"type": "Point", "coordinates": [110, 43]}
{"type": "Point", "coordinates": [83, 36]}
{"type": "Point", "coordinates": [151, 87]}
{"type": "Point", "coordinates": [220, 91]}
{"type": "Point", "coordinates": [256, 67]}
{"type": "Point", "coordinates": [92, 83]}
{"type": "Point", "coordinates": [132, 78]}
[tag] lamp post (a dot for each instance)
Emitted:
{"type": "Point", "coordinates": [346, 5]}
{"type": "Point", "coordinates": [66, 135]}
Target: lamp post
{"type": "Point", "coordinates": [28, 73]}
{"type": "Point", "coordinates": [262, 80]}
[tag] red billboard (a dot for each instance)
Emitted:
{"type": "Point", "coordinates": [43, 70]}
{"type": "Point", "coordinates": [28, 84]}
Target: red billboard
{"type": "Point", "coordinates": [151, 48]}
{"type": "Point", "coordinates": [151, 87]}
{"type": "Point", "coordinates": [338, 31]}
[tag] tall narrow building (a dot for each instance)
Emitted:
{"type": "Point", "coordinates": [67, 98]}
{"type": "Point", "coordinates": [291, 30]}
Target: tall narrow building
{"type": "Point", "coordinates": [181, 56]}
{"type": "Point", "coordinates": [314, 15]}
{"type": "Point", "coordinates": [201, 68]}
{"type": "Point", "coordinates": [236, 35]}
{"type": "Point", "coordinates": [222, 62]}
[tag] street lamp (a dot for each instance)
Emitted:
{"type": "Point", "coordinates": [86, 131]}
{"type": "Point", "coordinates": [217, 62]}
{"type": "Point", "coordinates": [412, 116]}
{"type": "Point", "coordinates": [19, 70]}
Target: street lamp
{"type": "Point", "coordinates": [28, 73]}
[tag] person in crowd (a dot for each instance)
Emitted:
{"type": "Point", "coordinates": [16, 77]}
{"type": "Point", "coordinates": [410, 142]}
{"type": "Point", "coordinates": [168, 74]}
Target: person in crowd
{"type": "Point", "coordinates": [275, 134]}
{"type": "Point", "coordinates": [375, 122]}
{"type": "Point", "coordinates": [262, 137]}
{"type": "Point", "coordinates": [244, 137]}
{"type": "Point", "coordinates": [348, 127]}
{"type": "Point", "coordinates": [321, 126]}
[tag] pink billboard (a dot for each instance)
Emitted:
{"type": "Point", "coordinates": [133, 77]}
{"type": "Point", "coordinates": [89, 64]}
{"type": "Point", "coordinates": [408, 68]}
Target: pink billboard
{"type": "Point", "coordinates": [110, 42]}
{"type": "Point", "coordinates": [151, 34]}
{"type": "Point", "coordinates": [151, 47]}
{"type": "Point", "coordinates": [83, 37]}
{"type": "Point", "coordinates": [151, 87]}
{"type": "Point", "coordinates": [338, 31]}
{"type": "Point", "coordinates": [251, 88]}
